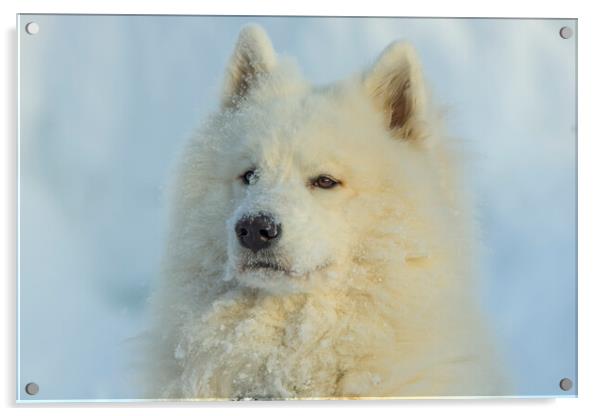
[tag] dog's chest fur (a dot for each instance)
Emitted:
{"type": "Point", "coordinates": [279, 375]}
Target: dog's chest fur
{"type": "Point", "coordinates": [249, 345]}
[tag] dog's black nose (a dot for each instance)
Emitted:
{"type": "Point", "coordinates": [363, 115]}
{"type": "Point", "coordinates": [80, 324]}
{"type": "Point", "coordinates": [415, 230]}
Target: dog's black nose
{"type": "Point", "coordinates": [257, 232]}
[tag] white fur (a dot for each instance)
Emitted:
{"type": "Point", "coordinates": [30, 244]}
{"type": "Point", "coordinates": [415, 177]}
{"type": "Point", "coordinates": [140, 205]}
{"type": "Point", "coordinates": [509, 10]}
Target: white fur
{"type": "Point", "coordinates": [378, 299]}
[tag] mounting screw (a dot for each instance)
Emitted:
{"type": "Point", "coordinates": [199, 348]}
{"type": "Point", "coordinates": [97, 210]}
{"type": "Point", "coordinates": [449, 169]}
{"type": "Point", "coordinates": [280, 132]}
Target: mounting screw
{"type": "Point", "coordinates": [32, 28]}
{"type": "Point", "coordinates": [32, 389]}
{"type": "Point", "coordinates": [566, 384]}
{"type": "Point", "coordinates": [566, 32]}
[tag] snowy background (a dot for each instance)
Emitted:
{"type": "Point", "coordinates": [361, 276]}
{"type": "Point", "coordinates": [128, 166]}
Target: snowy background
{"type": "Point", "coordinates": [107, 101]}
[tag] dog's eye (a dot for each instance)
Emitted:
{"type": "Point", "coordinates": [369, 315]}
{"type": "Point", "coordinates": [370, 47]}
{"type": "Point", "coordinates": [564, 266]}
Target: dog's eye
{"type": "Point", "coordinates": [324, 182]}
{"type": "Point", "coordinates": [249, 177]}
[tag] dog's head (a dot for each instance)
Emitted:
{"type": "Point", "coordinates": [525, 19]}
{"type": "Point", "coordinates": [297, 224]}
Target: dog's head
{"type": "Point", "coordinates": [289, 186]}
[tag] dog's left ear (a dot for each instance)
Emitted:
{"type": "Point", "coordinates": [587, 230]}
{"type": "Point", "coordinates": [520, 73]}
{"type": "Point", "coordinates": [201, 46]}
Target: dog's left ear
{"type": "Point", "coordinates": [253, 58]}
{"type": "Point", "coordinates": [396, 84]}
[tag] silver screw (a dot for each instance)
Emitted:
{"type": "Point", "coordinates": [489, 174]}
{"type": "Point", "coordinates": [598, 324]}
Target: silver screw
{"type": "Point", "coordinates": [32, 28]}
{"type": "Point", "coordinates": [32, 389]}
{"type": "Point", "coordinates": [566, 384]}
{"type": "Point", "coordinates": [566, 32]}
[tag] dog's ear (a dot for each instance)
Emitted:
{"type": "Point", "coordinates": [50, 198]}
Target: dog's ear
{"type": "Point", "coordinates": [253, 58]}
{"type": "Point", "coordinates": [396, 84]}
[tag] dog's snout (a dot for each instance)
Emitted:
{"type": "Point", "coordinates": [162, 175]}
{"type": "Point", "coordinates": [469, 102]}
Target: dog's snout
{"type": "Point", "coordinates": [257, 232]}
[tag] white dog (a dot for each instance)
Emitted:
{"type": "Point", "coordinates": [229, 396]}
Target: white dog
{"type": "Point", "coordinates": [321, 243]}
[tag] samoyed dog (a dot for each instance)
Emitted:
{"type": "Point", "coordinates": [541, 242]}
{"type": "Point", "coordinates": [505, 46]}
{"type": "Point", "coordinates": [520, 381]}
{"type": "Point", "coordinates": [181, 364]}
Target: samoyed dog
{"type": "Point", "coordinates": [321, 243]}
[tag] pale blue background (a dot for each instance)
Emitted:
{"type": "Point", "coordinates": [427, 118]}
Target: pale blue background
{"type": "Point", "coordinates": [106, 102]}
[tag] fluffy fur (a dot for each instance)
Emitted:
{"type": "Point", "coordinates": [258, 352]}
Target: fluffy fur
{"type": "Point", "coordinates": [375, 296]}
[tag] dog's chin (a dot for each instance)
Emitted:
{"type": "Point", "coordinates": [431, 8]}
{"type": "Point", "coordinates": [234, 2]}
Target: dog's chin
{"type": "Point", "coordinates": [278, 279]}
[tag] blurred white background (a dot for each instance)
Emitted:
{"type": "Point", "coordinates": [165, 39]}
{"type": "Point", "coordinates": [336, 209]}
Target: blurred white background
{"type": "Point", "coordinates": [106, 103]}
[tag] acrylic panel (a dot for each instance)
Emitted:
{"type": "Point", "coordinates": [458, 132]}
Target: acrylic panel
{"type": "Point", "coordinates": [269, 208]}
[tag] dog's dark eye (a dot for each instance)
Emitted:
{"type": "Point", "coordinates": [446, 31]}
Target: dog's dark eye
{"type": "Point", "coordinates": [324, 182]}
{"type": "Point", "coordinates": [249, 177]}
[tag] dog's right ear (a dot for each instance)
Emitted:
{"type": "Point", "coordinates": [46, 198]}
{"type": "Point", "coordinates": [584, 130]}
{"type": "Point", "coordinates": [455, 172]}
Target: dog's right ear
{"type": "Point", "coordinates": [253, 59]}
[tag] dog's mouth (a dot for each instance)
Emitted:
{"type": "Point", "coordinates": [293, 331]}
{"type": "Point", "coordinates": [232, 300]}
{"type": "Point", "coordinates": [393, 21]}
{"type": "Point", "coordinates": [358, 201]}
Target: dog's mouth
{"type": "Point", "coordinates": [279, 268]}
{"type": "Point", "coordinates": [264, 265]}
{"type": "Point", "coordinates": [279, 276]}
